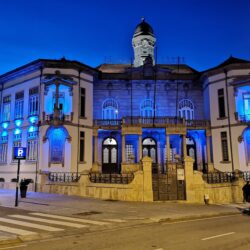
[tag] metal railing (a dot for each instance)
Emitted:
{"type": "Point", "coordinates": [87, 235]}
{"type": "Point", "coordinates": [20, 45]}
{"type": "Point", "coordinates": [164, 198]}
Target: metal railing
{"type": "Point", "coordinates": [111, 178]}
{"type": "Point", "coordinates": [243, 118]}
{"type": "Point", "coordinates": [64, 176]}
{"type": "Point", "coordinates": [245, 175]}
{"type": "Point", "coordinates": [137, 120]}
{"type": "Point", "coordinates": [220, 177]}
{"type": "Point", "coordinates": [111, 122]}
{"type": "Point", "coordinates": [62, 117]}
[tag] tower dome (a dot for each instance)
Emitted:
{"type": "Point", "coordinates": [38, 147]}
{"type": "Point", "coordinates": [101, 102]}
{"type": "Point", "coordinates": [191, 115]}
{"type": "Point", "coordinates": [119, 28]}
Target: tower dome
{"type": "Point", "coordinates": [143, 28]}
{"type": "Point", "coordinates": [143, 43]}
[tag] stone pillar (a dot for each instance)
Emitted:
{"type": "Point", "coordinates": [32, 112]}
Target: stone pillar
{"type": "Point", "coordinates": [147, 179]}
{"type": "Point", "coordinates": [139, 148]}
{"type": "Point", "coordinates": [184, 146]}
{"type": "Point", "coordinates": [96, 148]}
{"type": "Point", "coordinates": [208, 149]}
{"type": "Point", "coordinates": [123, 149]}
{"type": "Point", "coordinates": [168, 147]}
{"type": "Point", "coordinates": [189, 178]}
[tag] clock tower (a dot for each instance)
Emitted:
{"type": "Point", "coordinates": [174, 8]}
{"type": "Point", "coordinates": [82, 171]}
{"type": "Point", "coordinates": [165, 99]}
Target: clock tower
{"type": "Point", "coordinates": [143, 43]}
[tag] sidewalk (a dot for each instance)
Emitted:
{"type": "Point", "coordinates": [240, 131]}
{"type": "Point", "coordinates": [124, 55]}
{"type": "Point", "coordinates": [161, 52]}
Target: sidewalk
{"type": "Point", "coordinates": [102, 209]}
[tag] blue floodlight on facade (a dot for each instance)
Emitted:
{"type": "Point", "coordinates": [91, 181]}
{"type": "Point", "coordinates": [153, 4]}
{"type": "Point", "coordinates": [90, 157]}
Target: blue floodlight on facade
{"type": "Point", "coordinates": [5, 125]}
{"type": "Point", "coordinates": [17, 131]}
{"type": "Point", "coordinates": [32, 129]}
{"type": "Point", "coordinates": [18, 122]}
{"type": "Point", "coordinates": [4, 133]}
{"type": "Point", "coordinates": [33, 119]}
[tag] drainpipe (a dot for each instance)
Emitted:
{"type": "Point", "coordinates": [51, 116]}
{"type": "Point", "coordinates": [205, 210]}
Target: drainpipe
{"type": "Point", "coordinates": [38, 128]}
{"type": "Point", "coordinates": [228, 119]}
{"type": "Point", "coordinates": [78, 125]}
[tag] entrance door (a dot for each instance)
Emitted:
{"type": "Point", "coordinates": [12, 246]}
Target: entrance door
{"type": "Point", "coordinates": [191, 150]}
{"type": "Point", "coordinates": [149, 149]}
{"type": "Point", "coordinates": [109, 156]}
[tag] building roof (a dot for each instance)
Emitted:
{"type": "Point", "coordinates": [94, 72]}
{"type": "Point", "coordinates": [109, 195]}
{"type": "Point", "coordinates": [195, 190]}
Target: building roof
{"type": "Point", "coordinates": [143, 28]}
{"type": "Point", "coordinates": [122, 68]}
{"type": "Point", "coordinates": [230, 61]}
{"type": "Point", "coordinates": [42, 63]}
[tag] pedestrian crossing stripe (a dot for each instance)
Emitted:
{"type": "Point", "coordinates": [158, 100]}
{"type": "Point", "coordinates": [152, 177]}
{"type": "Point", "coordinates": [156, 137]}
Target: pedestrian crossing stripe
{"type": "Point", "coordinates": [33, 225]}
{"type": "Point", "coordinates": [62, 223]}
{"type": "Point", "coordinates": [100, 223]}
{"type": "Point", "coordinates": [17, 231]}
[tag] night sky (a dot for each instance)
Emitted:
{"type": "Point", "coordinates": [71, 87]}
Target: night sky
{"type": "Point", "coordinates": [204, 33]}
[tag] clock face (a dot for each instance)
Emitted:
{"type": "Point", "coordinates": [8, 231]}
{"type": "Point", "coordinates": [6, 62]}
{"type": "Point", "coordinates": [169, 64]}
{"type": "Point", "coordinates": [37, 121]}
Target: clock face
{"type": "Point", "coordinates": [144, 43]}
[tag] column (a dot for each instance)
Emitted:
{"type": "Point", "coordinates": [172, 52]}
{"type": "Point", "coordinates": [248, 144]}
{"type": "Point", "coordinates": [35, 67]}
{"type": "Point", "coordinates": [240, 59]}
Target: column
{"type": "Point", "coordinates": [184, 146]}
{"type": "Point", "coordinates": [167, 147]}
{"type": "Point", "coordinates": [208, 149]}
{"type": "Point", "coordinates": [123, 149]}
{"type": "Point", "coordinates": [96, 148]}
{"type": "Point", "coordinates": [139, 148]}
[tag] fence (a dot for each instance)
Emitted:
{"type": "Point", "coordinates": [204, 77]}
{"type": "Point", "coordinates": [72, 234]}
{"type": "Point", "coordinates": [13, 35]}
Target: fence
{"type": "Point", "coordinates": [220, 177]}
{"type": "Point", "coordinates": [64, 176]}
{"type": "Point", "coordinates": [111, 178]}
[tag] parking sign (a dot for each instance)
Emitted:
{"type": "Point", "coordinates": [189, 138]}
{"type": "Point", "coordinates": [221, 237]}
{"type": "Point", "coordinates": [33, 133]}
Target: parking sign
{"type": "Point", "coordinates": [19, 153]}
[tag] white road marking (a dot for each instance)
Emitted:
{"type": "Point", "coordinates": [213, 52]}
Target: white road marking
{"type": "Point", "coordinates": [217, 236]}
{"type": "Point", "coordinates": [13, 247]}
{"type": "Point", "coordinates": [27, 224]}
{"type": "Point", "coordinates": [16, 231]}
{"type": "Point", "coordinates": [71, 219]}
{"type": "Point", "coordinates": [115, 220]}
{"type": "Point", "coordinates": [210, 218]}
{"type": "Point", "coordinates": [62, 223]}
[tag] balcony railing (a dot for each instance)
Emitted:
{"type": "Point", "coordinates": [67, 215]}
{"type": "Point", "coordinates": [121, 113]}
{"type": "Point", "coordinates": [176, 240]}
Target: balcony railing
{"type": "Point", "coordinates": [61, 116]}
{"type": "Point", "coordinates": [148, 121]}
{"type": "Point", "coordinates": [111, 122]}
{"type": "Point", "coordinates": [244, 118]}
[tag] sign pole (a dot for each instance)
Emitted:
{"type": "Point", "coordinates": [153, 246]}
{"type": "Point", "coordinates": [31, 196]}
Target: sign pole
{"type": "Point", "coordinates": [17, 182]}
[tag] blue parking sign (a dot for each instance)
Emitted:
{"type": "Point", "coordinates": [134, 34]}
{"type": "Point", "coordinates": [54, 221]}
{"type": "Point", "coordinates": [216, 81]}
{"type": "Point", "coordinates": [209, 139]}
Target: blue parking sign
{"type": "Point", "coordinates": [19, 153]}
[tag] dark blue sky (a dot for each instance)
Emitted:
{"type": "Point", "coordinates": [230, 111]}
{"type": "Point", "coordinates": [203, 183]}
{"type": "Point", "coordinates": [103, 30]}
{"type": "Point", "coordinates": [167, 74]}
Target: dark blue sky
{"type": "Point", "coordinates": [205, 33]}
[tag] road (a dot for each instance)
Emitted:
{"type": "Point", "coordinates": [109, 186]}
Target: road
{"type": "Point", "coordinates": [222, 232]}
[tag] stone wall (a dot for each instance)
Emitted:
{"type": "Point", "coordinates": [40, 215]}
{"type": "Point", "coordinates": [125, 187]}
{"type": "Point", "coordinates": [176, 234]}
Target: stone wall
{"type": "Point", "coordinates": [221, 193]}
{"type": "Point", "coordinates": [140, 189]}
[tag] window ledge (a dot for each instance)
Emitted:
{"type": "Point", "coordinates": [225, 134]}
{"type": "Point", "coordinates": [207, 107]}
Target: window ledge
{"type": "Point", "coordinates": [84, 118]}
{"type": "Point", "coordinates": [82, 162]}
{"type": "Point", "coordinates": [222, 118]}
{"type": "Point", "coordinates": [225, 162]}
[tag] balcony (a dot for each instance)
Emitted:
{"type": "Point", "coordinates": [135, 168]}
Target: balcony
{"type": "Point", "coordinates": [243, 118]}
{"type": "Point", "coordinates": [58, 117]}
{"type": "Point", "coordinates": [152, 122]}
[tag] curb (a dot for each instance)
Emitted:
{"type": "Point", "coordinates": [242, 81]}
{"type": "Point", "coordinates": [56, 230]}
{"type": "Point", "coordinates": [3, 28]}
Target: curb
{"type": "Point", "coordinates": [190, 217]}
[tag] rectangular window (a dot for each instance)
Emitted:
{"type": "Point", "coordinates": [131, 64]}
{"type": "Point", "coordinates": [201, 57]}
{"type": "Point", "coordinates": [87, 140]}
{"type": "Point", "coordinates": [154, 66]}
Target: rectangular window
{"type": "Point", "coordinates": [16, 144]}
{"type": "Point", "coordinates": [6, 108]}
{"type": "Point", "coordinates": [224, 146]}
{"type": "Point", "coordinates": [82, 148]}
{"type": "Point", "coordinates": [246, 100]}
{"type": "Point", "coordinates": [3, 152]}
{"type": "Point", "coordinates": [31, 150]}
{"type": "Point", "coordinates": [221, 103]}
{"type": "Point", "coordinates": [19, 105]}
{"type": "Point", "coordinates": [130, 156]}
{"type": "Point", "coordinates": [82, 101]}
{"type": "Point", "coordinates": [33, 101]}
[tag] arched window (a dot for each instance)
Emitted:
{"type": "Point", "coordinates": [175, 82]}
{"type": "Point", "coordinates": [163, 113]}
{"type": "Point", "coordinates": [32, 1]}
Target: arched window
{"type": "Point", "coordinates": [247, 144]}
{"type": "Point", "coordinates": [110, 109]}
{"type": "Point", "coordinates": [147, 108]}
{"type": "Point", "coordinates": [186, 109]}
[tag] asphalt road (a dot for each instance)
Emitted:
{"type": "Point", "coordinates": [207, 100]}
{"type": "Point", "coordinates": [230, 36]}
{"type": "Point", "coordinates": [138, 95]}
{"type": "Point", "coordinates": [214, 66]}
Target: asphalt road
{"type": "Point", "coordinates": [224, 232]}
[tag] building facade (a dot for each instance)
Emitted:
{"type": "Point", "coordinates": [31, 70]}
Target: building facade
{"type": "Point", "coordinates": [72, 117]}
